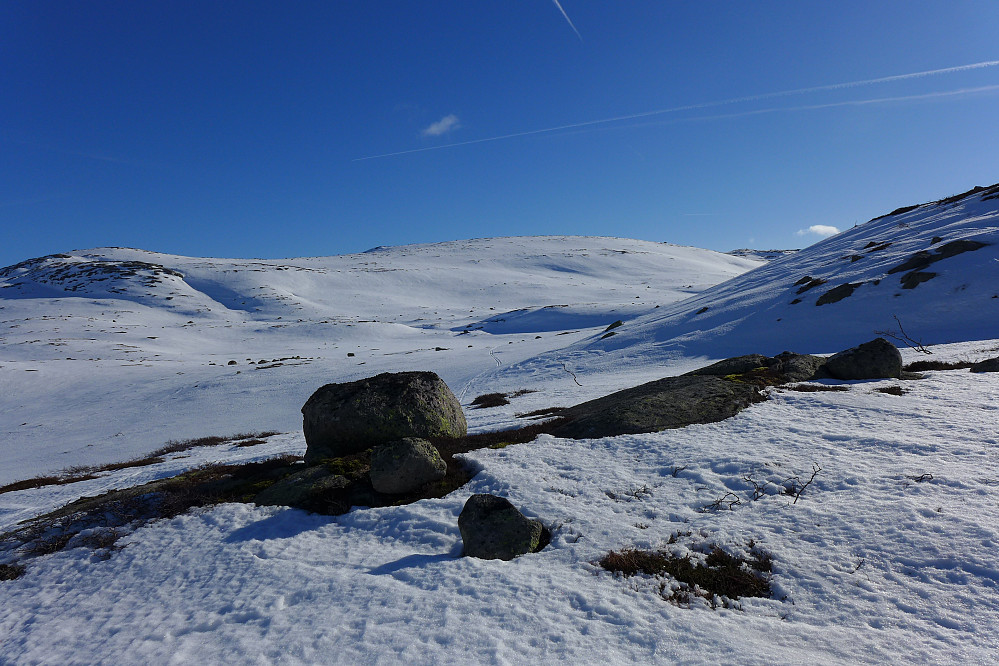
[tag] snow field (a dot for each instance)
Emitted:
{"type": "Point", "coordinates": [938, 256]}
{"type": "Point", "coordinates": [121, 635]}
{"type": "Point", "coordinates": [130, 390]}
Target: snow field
{"type": "Point", "coordinates": [870, 565]}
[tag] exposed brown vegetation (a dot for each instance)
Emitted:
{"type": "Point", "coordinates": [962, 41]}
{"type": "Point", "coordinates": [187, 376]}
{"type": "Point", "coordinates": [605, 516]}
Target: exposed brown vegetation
{"type": "Point", "coordinates": [815, 388]}
{"type": "Point", "coordinates": [922, 366]}
{"type": "Point", "coordinates": [721, 574]}
{"type": "Point", "coordinates": [89, 472]}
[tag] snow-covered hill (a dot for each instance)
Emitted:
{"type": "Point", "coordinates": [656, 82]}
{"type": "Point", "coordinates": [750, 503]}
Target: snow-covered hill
{"type": "Point", "coordinates": [153, 335]}
{"type": "Point", "coordinates": [934, 266]}
{"type": "Point", "coordinates": [888, 557]}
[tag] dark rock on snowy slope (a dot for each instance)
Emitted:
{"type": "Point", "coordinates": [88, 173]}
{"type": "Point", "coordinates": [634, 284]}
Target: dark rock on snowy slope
{"type": "Point", "coordinates": [493, 529]}
{"type": "Point", "coordinates": [673, 402]}
{"type": "Point", "coordinates": [339, 419]}
{"type": "Point", "coordinates": [876, 359]}
{"type": "Point", "coordinates": [405, 465]}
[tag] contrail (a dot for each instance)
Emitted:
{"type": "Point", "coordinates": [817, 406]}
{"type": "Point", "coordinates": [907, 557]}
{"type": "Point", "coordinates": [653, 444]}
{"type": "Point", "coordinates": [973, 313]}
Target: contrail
{"type": "Point", "coordinates": [812, 107]}
{"type": "Point", "coordinates": [568, 20]}
{"type": "Point", "coordinates": [703, 105]}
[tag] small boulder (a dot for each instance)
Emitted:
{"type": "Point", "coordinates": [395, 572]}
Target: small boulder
{"type": "Point", "coordinates": [493, 529]}
{"type": "Point", "coordinates": [733, 366]}
{"type": "Point", "coordinates": [405, 465]}
{"type": "Point", "coordinates": [340, 419]}
{"type": "Point", "coordinates": [796, 367]}
{"type": "Point", "coordinates": [876, 359]}
{"type": "Point", "coordinates": [988, 365]}
{"type": "Point", "coordinates": [301, 489]}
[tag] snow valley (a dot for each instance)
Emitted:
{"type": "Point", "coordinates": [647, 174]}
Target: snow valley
{"type": "Point", "coordinates": [888, 556]}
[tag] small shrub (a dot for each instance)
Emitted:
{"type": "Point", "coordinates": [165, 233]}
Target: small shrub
{"type": "Point", "coordinates": [42, 481]}
{"type": "Point", "coordinates": [721, 574]}
{"type": "Point", "coordinates": [11, 571]}
{"type": "Point", "coordinates": [542, 413]}
{"type": "Point", "coordinates": [488, 400]}
{"type": "Point", "coordinates": [922, 366]}
{"type": "Point", "coordinates": [815, 388]}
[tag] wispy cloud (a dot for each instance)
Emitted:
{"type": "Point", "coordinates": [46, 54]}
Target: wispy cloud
{"type": "Point", "coordinates": [819, 230]}
{"type": "Point", "coordinates": [568, 20]}
{"type": "Point", "coordinates": [733, 100]}
{"type": "Point", "coordinates": [442, 126]}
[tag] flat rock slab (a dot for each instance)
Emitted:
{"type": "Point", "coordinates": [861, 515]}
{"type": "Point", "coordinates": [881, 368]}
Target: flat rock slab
{"type": "Point", "coordinates": [988, 365]}
{"type": "Point", "coordinates": [673, 402]}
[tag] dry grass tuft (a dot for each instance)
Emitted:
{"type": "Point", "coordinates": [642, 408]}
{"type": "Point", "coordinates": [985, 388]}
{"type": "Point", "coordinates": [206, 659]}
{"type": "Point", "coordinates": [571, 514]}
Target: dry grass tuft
{"type": "Point", "coordinates": [721, 576]}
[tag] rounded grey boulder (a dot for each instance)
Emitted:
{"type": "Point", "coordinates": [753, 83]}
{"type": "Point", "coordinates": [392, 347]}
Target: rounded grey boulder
{"type": "Point", "coordinates": [340, 419]}
{"type": "Point", "coordinates": [405, 465]}
{"type": "Point", "coordinates": [876, 359]}
{"type": "Point", "coordinates": [493, 529]}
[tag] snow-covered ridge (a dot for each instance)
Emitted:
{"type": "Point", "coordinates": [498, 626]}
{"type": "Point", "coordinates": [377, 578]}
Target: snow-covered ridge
{"type": "Point", "coordinates": [103, 358]}
{"type": "Point", "coordinates": [935, 266]}
{"type": "Point", "coordinates": [154, 334]}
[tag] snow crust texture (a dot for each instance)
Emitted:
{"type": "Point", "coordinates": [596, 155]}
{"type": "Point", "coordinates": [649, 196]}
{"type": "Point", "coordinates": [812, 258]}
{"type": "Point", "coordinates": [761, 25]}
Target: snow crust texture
{"type": "Point", "coordinates": [886, 556]}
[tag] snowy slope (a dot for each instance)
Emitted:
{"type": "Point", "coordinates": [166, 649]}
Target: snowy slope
{"type": "Point", "coordinates": [134, 347]}
{"type": "Point", "coordinates": [887, 558]}
{"type": "Point", "coordinates": [773, 308]}
{"type": "Point", "coordinates": [777, 306]}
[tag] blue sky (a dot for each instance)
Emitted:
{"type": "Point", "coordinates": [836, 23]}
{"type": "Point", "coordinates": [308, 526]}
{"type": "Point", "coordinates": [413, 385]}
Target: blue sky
{"type": "Point", "coordinates": [254, 129]}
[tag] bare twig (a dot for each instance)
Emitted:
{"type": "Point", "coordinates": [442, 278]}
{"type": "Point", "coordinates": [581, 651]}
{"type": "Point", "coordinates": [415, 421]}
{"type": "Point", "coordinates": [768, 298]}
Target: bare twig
{"type": "Point", "coordinates": [566, 368]}
{"type": "Point", "coordinates": [729, 500]}
{"type": "Point", "coordinates": [921, 477]}
{"type": "Point", "coordinates": [904, 337]}
{"type": "Point", "coordinates": [815, 470]}
{"type": "Point", "coordinates": [759, 489]}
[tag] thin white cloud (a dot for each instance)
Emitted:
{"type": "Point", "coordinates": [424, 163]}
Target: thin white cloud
{"type": "Point", "coordinates": [442, 126]}
{"type": "Point", "coordinates": [734, 100]}
{"type": "Point", "coordinates": [819, 230]}
{"type": "Point", "coordinates": [568, 20]}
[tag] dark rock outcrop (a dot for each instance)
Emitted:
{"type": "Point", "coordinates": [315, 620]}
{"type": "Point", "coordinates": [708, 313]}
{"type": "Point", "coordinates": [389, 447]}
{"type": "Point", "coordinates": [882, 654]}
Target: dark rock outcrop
{"type": "Point", "coordinates": [302, 489]}
{"type": "Point", "coordinates": [340, 419]}
{"type": "Point", "coordinates": [673, 402]}
{"type": "Point", "coordinates": [876, 359]}
{"type": "Point", "coordinates": [791, 367]}
{"type": "Point", "coordinates": [837, 294]}
{"type": "Point", "coordinates": [988, 365]}
{"type": "Point", "coordinates": [733, 366]}
{"type": "Point", "coordinates": [493, 529]}
{"type": "Point", "coordinates": [405, 465]}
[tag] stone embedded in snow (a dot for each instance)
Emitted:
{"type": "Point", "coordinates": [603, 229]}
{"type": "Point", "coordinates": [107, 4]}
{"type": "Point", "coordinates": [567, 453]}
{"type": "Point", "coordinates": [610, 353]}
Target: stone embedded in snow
{"type": "Point", "coordinates": [876, 359]}
{"type": "Point", "coordinates": [301, 488]}
{"type": "Point", "coordinates": [796, 367]}
{"type": "Point", "coordinates": [493, 529]}
{"type": "Point", "coordinates": [988, 365]}
{"type": "Point", "coordinates": [672, 402]}
{"type": "Point", "coordinates": [783, 368]}
{"type": "Point", "coordinates": [405, 465]}
{"type": "Point", "coordinates": [340, 419]}
{"type": "Point", "coordinates": [733, 366]}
